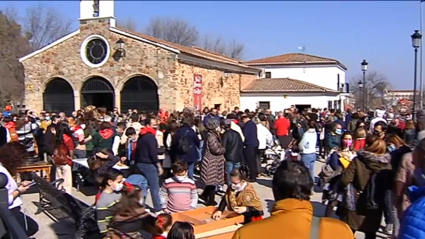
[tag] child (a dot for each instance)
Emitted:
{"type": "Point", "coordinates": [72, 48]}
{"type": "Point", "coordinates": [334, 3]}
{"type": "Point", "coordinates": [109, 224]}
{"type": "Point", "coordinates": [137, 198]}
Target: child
{"type": "Point", "coordinates": [100, 165]}
{"type": "Point", "coordinates": [160, 224]}
{"type": "Point", "coordinates": [129, 215]}
{"type": "Point", "coordinates": [112, 185]}
{"type": "Point", "coordinates": [181, 230]}
{"type": "Point", "coordinates": [179, 193]}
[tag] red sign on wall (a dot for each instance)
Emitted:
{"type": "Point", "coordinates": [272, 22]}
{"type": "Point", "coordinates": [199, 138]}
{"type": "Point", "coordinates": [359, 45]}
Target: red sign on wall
{"type": "Point", "coordinates": [197, 91]}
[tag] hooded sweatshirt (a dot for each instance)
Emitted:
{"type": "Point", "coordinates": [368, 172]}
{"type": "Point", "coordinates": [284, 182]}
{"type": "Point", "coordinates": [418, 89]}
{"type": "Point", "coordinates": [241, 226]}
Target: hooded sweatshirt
{"type": "Point", "coordinates": [106, 138]}
{"type": "Point", "coordinates": [147, 146]}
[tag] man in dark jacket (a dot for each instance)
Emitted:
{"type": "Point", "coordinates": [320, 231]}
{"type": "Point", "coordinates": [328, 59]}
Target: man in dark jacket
{"type": "Point", "coordinates": [185, 134]}
{"type": "Point", "coordinates": [212, 114]}
{"type": "Point", "coordinates": [251, 146]}
{"type": "Point", "coordinates": [147, 159]}
{"type": "Point", "coordinates": [232, 141]}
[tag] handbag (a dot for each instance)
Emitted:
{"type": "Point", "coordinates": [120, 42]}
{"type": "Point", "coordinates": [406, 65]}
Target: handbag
{"type": "Point", "coordinates": [60, 157]}
{"type": "Point", "coordinates": [161, 150]}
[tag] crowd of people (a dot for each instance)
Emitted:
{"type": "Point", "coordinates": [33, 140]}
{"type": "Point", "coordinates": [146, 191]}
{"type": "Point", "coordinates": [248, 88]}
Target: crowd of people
{"type": "Point", "coordinates": [373, 168]}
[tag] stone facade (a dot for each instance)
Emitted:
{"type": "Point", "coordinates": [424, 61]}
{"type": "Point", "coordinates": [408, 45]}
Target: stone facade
{"type": "Point", "coordinates": [216, 87]}
{"type": "Point", "coordinates": [173, 78]}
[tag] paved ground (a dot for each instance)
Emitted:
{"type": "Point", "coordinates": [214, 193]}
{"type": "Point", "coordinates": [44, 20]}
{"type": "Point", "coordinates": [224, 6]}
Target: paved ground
{"type": "Point", "coordinates": [50, 229]}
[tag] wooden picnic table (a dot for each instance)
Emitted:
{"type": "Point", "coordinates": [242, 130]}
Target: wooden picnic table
{"type": "Point", "coordinates": [41, 166]}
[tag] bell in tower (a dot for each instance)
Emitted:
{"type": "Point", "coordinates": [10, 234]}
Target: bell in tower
{"type": "Point", "coordinates": [96, 8]}
{"type": "Point", "coordinates": [93, 9]}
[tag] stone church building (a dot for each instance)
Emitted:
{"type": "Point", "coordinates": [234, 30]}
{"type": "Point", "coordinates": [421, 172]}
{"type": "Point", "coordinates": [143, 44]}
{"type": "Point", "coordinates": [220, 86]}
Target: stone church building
{"type": "Point", "coordinates": [103, 65]}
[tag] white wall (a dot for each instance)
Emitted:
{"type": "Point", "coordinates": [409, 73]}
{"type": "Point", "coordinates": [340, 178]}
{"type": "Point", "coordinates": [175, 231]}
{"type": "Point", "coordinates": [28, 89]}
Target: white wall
{"type": "Point", "coordinates": [278, 102]}
{"type": "Point", "coordinates": [325, 76]}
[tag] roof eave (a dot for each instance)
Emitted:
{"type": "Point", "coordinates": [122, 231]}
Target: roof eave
{"type": "Point", "coordinates": [295, 64]}
{"type": "Point", "coordinates": [172, 49]}
{"type": "Point", "coordinates": [193, 59]}
{"type": "Point", "coordinates": [251, 91]}
{"type": "Point", "coordinates": [57, 42]}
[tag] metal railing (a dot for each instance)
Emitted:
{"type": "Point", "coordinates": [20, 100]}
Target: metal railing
{"type": "Point", "coordinates": [8, 223]}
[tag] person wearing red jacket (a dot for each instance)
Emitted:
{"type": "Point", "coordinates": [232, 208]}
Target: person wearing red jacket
{"type": "Point", "coordinates": [283, 130]}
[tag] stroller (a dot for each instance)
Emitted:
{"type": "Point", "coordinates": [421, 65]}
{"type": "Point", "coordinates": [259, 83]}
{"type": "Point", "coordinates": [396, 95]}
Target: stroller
{"type": "Point", "coordinates": [292, 153]}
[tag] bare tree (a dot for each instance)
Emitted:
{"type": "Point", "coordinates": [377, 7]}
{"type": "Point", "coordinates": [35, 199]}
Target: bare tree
{"type": "Point", "coordinates": [129, 24]}
{"type": "Point", "coordinates": [218, 45]}
{"type": "Point", "coordinates": [176, 30]}
{"type": "Point", "coordinates": [12, 46]}
{"type": "Point", "coordinates": [44, 25]}
{"type": "Point", "coordinates": [11, 13]}
{"type": "Point", "coordinates": [376, 89]}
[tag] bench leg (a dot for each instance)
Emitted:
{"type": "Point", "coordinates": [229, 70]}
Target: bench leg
{"type": "Point", "coordinates": [41, 204]}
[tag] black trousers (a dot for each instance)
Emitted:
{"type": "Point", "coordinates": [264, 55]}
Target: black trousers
{"type": "Point", "coordinates": [250, 157]}
{"type": "Point", "coordinates": [32, 226]}
{"type": "Point", "coordinates": [388, 204]}
{"type": "Point", "coordinates": [284, 141]}
{"type": "Point", "coordinates": [260, 156]}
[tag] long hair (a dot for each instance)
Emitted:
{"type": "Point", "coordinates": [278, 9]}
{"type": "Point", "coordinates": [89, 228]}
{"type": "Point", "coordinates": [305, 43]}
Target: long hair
{"type": "Point", "coordinates": [375, 145]}
{"type": "Point", "coordinates": [129, 202]}
{"type": "Point", "coordinates": [61, 130]}
{"type": "Point", "coordinates": [396, 140]}
{"type": "Point", "coordinates": [12, 156]}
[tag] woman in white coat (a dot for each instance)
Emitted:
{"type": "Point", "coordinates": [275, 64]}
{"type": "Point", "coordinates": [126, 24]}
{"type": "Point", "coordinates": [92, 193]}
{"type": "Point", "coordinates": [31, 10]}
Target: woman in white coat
{"type": "Point", "coordinates": [265, 138]}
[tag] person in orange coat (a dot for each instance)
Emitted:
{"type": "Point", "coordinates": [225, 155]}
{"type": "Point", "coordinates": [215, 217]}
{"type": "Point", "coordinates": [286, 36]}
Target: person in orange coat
{"type": "Point", "coordinates": [292, 214]}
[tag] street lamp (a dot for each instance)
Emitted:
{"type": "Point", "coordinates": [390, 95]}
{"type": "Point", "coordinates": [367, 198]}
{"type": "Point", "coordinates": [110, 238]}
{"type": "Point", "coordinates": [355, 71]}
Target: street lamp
{"type": "Point", "coordinates": [364, 69]}
{"type": "Point", "coordinates": [416, 43]}
{"type": "Point", "coordinates": [360, 84]}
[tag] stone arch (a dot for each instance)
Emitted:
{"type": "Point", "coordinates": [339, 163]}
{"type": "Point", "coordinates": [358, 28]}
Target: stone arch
{"type": "Point", "coordinates": [140, 92]}
{"type": "Point", "coordinates": [55, 77]}
{"type": "Point", "coordinates": [98, 91]}
{"type": "Point", "coordinates": [58, 96]}
{"type": "Point", "coordinates": [120, 86]}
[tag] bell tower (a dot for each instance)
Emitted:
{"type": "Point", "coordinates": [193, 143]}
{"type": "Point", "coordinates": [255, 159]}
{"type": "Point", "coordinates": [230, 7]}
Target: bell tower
{"type": "Point", "coordinates": [92, 9]}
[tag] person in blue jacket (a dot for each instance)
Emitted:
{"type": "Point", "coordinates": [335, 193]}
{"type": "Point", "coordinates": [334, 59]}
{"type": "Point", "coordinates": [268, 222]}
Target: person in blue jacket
{"type": "Point", "coordinates": [190, 157]}
{"type": "Point", "coordinates": [413, 220]}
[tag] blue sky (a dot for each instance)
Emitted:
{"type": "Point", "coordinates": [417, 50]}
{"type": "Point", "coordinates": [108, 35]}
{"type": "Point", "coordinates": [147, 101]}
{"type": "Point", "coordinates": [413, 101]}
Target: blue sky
{"type": "Point", "coordinates": [347, 31]}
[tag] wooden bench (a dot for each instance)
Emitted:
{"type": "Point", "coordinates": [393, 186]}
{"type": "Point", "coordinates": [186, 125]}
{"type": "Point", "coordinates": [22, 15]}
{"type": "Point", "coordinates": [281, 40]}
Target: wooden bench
{"type": "Point", "coordinates": [59, 205]}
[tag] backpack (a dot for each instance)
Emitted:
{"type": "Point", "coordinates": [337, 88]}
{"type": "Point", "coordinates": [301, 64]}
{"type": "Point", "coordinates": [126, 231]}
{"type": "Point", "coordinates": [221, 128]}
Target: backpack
{"type": "Point", "coordinates": [372, 196]}
{"type": "Point", "coordinates": [183, 145]}
{"type": "Point", "coordinates": [13, 135]}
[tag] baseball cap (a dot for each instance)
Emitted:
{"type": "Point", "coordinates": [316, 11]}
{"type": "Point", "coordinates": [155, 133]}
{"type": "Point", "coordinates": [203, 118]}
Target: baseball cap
{"type": "Point", "coordinates": [137, 180]}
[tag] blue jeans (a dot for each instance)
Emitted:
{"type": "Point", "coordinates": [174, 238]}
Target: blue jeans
{"type": "Point", "coordinates": [191, 168]}
{"type": "Point", "coordinates": [309, 160]}
{"type": "Point", "coordinates": [200, 151]}
{"type": "Point", "coordinates": [230, 166]}
{"type": "Point", "coordinates": [150, 172]}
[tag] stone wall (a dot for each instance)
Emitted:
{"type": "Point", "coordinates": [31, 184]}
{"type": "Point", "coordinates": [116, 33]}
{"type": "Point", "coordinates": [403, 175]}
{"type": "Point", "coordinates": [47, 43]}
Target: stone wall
{"type": "Point", "coordinates": [64, 61]}
{"type": "Point", "coordinates": [175, 81]}
{"type": "Point", "coordinates": [216, 87]}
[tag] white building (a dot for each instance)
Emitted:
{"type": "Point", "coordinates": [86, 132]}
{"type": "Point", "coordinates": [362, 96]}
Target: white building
{"type": "Point", "coordinates": [298, 79]}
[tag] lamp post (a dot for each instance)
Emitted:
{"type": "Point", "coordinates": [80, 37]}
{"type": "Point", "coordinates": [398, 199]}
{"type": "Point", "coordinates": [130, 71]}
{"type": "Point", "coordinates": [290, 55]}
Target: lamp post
{"type": "Point", "coordinates": [360, 91]}
{"type": "Point", "coordinates": [416, 43]}
{"type": "Point", "coordinates": [364, 69]}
